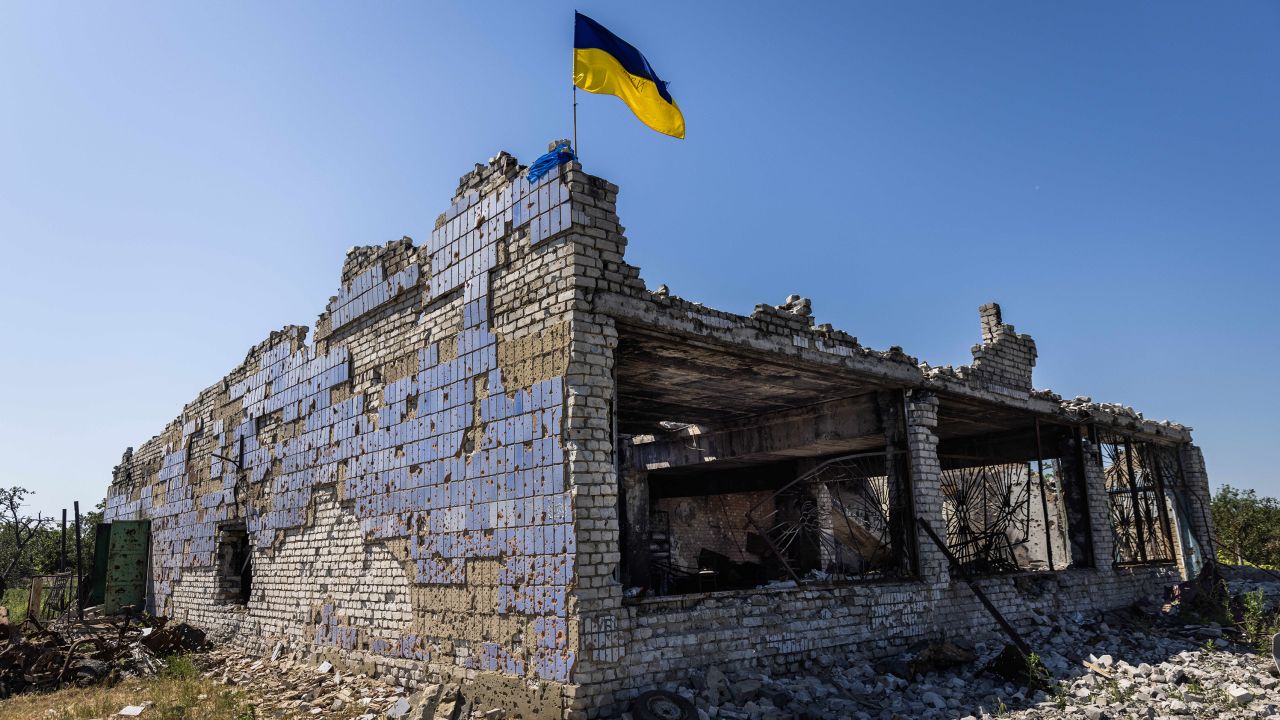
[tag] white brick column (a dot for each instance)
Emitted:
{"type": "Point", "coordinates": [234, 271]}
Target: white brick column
{"type": "Point", "coordinates": [1095, 485]}
{"type": "Point", "coordinates": [926, 485]}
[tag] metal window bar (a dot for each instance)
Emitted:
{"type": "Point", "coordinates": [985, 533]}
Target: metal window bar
{"type": "Point", "coordinates": [1155, 468]}
{"type": "Point", "coordinates": [1137, 492]}
{"type": "Point", "coordinates": [665, 573]}
{"type": "Point", "coordinates": [848, 512]}
{"type": "Point", "coordinates": [988, 514]}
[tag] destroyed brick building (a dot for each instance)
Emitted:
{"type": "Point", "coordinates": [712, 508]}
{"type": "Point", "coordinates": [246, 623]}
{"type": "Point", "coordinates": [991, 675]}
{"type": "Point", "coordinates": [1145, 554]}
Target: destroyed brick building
{"type": "Point", "coordinates": [499, 459]}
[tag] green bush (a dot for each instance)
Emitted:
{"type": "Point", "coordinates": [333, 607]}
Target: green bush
{"type": "Point", "coordinates": [180, 667]}
{"type": "Point", "coordinates": [1248, 527]}
{"type": "Point", "coordinates": [15, 599]}
{"type": "Point", "coordinates": [1257, 624]}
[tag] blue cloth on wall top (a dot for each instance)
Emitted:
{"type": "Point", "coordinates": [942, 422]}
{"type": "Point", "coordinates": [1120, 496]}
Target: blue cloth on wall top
{"type": "Point", "coordinates": [559, 155]}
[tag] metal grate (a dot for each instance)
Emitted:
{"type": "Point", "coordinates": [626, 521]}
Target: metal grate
{"type": "Point", "coordinates": [988, 514]}
{"type": "Point", "coordinates": [846, 519]}
{"type": "Point", "coordinates": [1135, 475]}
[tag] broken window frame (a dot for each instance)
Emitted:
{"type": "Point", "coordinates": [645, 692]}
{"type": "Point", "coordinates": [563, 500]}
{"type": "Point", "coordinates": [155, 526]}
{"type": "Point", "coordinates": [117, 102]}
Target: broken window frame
{"type": "Point", "coordinates": [990, 483]}
{"type": "Point", "coordinates": [232, 570]}
{"type": "Point", "coordinates": [1138, 497]}
{"type": "Point", "coordinates": [987, 493]}
{"type": "Point", "coordinates": [887, 496]}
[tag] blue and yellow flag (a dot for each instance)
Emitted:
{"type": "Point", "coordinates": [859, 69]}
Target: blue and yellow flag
{"type": "Point", "coordinates": [605, 63]}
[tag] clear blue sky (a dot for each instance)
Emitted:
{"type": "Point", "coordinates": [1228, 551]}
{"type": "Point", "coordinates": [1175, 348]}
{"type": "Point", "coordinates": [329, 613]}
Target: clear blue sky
{"type": "Point", "coordinates": [177, 179]}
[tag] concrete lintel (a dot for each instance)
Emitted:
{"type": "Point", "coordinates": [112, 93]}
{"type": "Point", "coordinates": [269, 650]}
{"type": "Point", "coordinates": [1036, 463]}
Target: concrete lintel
{"type": "Point", "coordinates": [835, 426]}
{"type": "Point", "coordinates": [717, 328]}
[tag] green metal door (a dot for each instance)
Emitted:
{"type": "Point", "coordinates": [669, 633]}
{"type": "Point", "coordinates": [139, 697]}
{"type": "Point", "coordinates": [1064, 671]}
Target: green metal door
{"type": "Point", "coordinates": [127, 565]}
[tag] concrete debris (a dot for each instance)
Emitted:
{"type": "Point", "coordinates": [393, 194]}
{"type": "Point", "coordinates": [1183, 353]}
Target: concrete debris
{"type": "Point", "coordinates": [797, 305]}
{"type": "Point", "coordinates": [1098, 668]}
{"type": "Point", "coordinates": [399, 710]}
{"type": "Point", "coordinates": [291, 687]}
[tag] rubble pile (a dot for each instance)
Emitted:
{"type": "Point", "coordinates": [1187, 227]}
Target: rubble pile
{"type": "Point", "coordinates": [1162, 660]}
{"type": "Point", "coordinates": [1116, 666]}
{"type": "Point", "coordinates": [291, 686]}
{"type": "Point", "coordinates": [286, 687]}
{"type": "Point", "coordinates": [34, 657]}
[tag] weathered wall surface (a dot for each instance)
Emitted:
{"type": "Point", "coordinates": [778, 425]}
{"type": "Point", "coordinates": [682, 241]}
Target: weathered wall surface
{"type": "Point", "coordinates": [632, 645]}
{"type": "Point", "coordinates": [403, 477]}
{"type": "Point", "coordinates": [791, 630]}
{"type": "Point", "coordinates": [430, 483]}
{"type": "Point", "coordinates": [718, 524]}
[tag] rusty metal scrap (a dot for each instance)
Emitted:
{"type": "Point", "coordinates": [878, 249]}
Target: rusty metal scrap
{"type": "Point", "coordinates": [83, 654]}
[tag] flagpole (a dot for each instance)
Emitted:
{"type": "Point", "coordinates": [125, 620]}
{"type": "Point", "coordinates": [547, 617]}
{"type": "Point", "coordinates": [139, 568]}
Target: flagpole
{"type": "Point", "coordinates": [575, 120]}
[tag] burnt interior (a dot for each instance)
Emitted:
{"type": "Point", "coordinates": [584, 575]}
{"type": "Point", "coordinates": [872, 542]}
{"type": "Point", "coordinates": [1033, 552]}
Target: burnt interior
{"type": "Point", "coordinates": [740, 471]}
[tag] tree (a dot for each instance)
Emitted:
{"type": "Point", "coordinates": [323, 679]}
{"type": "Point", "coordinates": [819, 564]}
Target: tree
{"type": "Point", "coordinates": [1248, 527]}
{"type": "Point", "coordinates": [16, 534]}
{"type": "Point", "coordinates": [45, 553]}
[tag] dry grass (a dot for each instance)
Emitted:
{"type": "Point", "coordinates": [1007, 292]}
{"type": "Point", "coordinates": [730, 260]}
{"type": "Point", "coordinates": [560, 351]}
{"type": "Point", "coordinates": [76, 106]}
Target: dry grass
{"type": "Point", "coordinates": [178, 693]}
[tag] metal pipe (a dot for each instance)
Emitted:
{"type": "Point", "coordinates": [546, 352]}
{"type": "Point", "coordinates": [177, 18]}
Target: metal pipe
{"type": "Point", "coordinates": [973, 585]}
{"type": "Point", "coordinates": [79, 575]}
{"type": "Point", "coordinates": [1137, 507]}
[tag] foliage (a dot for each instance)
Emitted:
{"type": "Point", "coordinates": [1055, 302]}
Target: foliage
{"type": "Point", "coordinates": [17, 531]}
{"type": "Point", "coordinates": [1038, 676]}
{"type": "Point", "coordinates": [180, 667]}
{"type": "Point", "coordinates": [1257, 623]}
{"type": "Point", "coordinates": [15, 598]}
{"type": "Point", "coordinates": [1248, 527]}
{"type": "Point", "coordinates": [32, 545]}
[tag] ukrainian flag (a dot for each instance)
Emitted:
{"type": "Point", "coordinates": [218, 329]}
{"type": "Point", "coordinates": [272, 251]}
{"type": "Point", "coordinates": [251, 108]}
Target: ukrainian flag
{"type": "Point", "coordinates": [605, 63]}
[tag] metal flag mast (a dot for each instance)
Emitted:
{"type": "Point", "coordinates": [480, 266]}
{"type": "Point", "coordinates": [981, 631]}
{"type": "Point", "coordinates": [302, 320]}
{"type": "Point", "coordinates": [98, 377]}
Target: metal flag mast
{"type": "Point", "coordinates": [574, 82]}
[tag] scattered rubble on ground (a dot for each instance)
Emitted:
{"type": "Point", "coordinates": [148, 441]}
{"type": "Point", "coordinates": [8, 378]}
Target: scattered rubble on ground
{"type": "Point", "coordinates": [1147, 662]}
{"type": "Point", "coordinates": [281, 686]}
{"type": "Point", "coordinates": [1144, 663]}
{"type": "Point", "coordinates": [288, 688]}
{"type": "Point", "coordinates": [1152, 661]}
